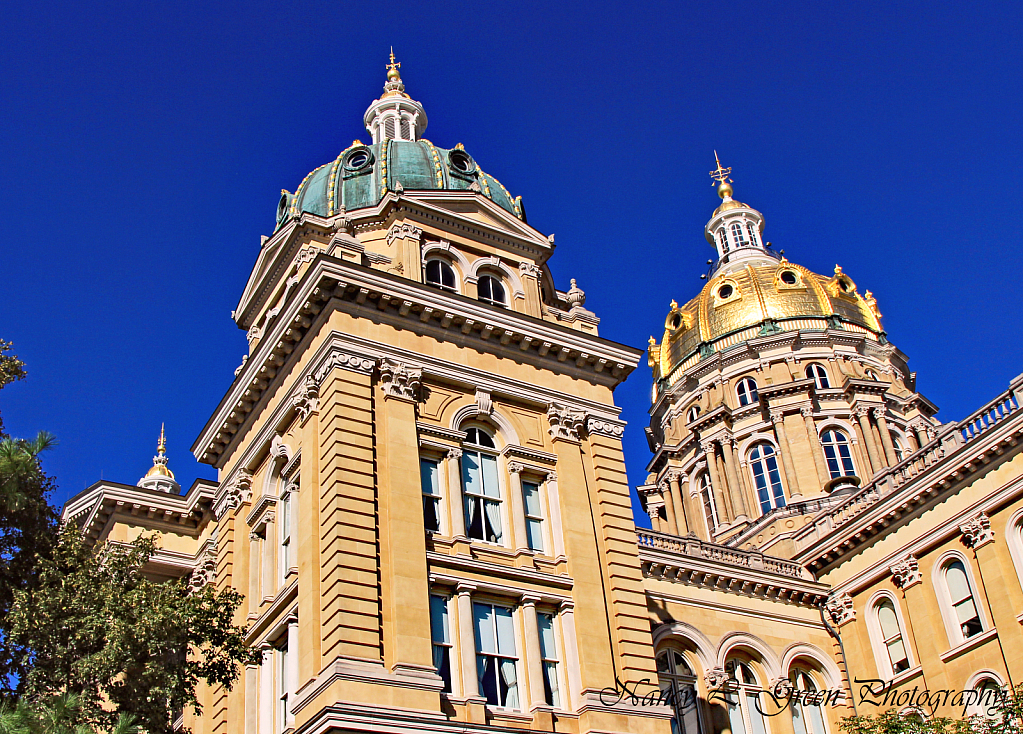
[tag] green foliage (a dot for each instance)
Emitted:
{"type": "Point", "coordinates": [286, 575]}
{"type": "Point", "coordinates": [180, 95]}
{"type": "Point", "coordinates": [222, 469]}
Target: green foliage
{"type": "Point", "coordinates": [60, 714]}
{"type": "Point", "coordinates": [1009, 720]}
{"type": "Point", "coordinates": [98, 628]}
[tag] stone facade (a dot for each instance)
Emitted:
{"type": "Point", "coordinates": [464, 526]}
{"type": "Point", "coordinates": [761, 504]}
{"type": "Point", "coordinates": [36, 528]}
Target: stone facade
{"type": "Point", "coordinates": [422, 492]}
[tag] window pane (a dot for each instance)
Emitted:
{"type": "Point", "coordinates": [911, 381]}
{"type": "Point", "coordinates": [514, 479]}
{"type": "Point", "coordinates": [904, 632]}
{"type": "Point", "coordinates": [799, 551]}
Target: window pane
{"type": "Point", "coordinates": [439, 619]}
{"type": "Point", "coordinates": [735, 720]}
{"type": "Point", "coordinates": [958, 586]}
{"type": "Point", "coordinates": [887, 619]}
{"type": "Point", "coordinates": [483, 616]}
{"type": "Point", "coordinates": [429, 476]}
{"type": "Point", "coordinates": [505, 631]}
{"type": "Point", "coordinates": [534, 531]}
{"type": "Point", "coordinates": [509, 684]}
{"type": "Point", "coordinates": [897, 653]}
{"type": "Point", "coordinates": [490, 486]}
{"type": "Point", "coordinates": [431, 514]}
{"type": "Point", "coordinates": [545, 622]}
{"type": "Point", "coordinates": [531, 495]}
{"type": "Point", "coordinates": [486, 672]}
{"type": "Point", "coordinates": [472, 479]}
{"type": "Point", "coordinates": [492, 514]}
{"type": "Point", "coordinates": [756, 719]}
{"type": "Point", "coordinates": [550, 684]}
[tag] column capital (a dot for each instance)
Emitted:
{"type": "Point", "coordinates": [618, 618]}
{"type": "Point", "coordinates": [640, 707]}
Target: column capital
{"type": "Point", "coordinates": [777, 415]}
{"type": "Point", "coordinates": [675, 475]}
{"type": "Point", "coordinates": [878, 412]}
{"type": "Point", "coordinates": [529, 600]}
{"type": "Point", "coordinates": [465, 588]}
{"type": "Point", "coordinates": [806, 411]}
{"type": "Point", "coordinates": [977, 532]}
{"type": "Point", "coordinates": [552, 476]}
{"type": "Point", "coordinates": [840, 608]}
{"type": "Point", "coordinates": [567, 605]}
{"type": "Point", "coordinates": [306, 398]}
{"type": "Point", "coordinates": [707, 445]}
{"type": "Point", "coordinates": [906, 572]}
{"type": "Point", "coordinates": [515, 467]}
{"type": "Point", "coordinates": [454, 453]}
{"type": "Point", "coordinates": [860, 411]}
{"type": "Point", "coordinates": [565, 424]}
{"type": "Point", "coordinates": [400, 381]}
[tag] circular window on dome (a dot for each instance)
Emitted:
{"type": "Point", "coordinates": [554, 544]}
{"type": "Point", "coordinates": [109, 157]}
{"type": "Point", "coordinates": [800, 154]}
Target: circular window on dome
{"type": "Point", "coordinates": [358, 159]}
{"type": "Point", "coordinates": [282, 208]}
{"type": "Point", "coordinates": [845, 285]}
{"type": "Point", "coordinates": [676, 321]}
{"type": "Point", "coordinates": [725, 292]}
{"type": "Point", "coordinates": [788, 277]}
{"type": "Point", "coordinates": [461, 163]}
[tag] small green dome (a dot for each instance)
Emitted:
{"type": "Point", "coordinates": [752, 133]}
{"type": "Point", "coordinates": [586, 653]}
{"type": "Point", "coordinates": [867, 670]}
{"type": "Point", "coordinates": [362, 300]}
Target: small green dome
{"type": "Point", "coordinates": [362, 174]}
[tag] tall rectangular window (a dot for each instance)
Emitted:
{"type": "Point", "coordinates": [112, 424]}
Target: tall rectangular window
{"type": "Point", "coordinates": [282, 687]}
{"type": "Point", "coordinates": [441, 639]}
{"type": "Point", "coordinates": [496, 659]}
{"type": "Point", "coordinates": [286, 510]}
{"type": "Point", "coordinates": [429, 474]}
{"type": "Point", "coordinates": [482, 496]}
{"type": "Point", "coordinates": [549, 656]}
{"type": "Point", "coordinates": [534, 515]}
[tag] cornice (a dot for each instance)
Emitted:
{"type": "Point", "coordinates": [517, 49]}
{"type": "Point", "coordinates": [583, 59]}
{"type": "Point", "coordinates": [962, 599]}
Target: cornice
{"type": "Point", "coordinates": [332, 283]}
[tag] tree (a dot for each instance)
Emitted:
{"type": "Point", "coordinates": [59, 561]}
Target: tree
{"type": "Point", "coordinates": [97, 627]}
{"type": "Point", "coordinates": [55, 715]}
{"type": "Point", "coordinates": [28, 524]}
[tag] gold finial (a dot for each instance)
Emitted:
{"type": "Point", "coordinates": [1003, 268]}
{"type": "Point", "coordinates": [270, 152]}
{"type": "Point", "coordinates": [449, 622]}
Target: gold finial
{"type": "Point", "coordinates": [392, 68]}
{"type": "Point", "coordinates": [161, 445]}
{"type": "Point", "coordinates": [721, 175]}
{"type": "Point", "coordinates": [674, 305]}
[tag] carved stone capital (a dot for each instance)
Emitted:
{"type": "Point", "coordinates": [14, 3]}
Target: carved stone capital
{"type": "Point", "coordinates": [840, 608]}
{"type": "Point", "coordinates": [344, 361]}
{"type": "Point", "coordinates": [777, 415]}
{"type": "Point", "coordinates": [977, 532]}
{"type": "Point", "coordinates": [906, 573]}
{"type": "Point", "coordinates": [404, 230]}
{"type": "Point", "coordinates": [279, 449]}
{"type": "Point", "coordinates": [528, 268]}
{"type": "Point", "coordinates": [566, 424]}
{"type": "Point", "coordinates": [514, 467]}
{"type": "Point", "coordinates": [878, 413]}
{"type": "Point", "coordinates": [675, 475]}
{"type": "Point", "coordinates": [237, 492]}
{"type": "Point", "coordinates": [552, 476]}
{"type": "Point", "coordinates": [715, 678]}
{"type": "Point", "coordinates": [400, 381]}
{"type": "Point", "coordinates": [205, 572]}
{"type": "Point", "coordinates": [707, 446]}
{"type": "Point", "coordinates": [859, 411]}
{"type": "Point", "coordinates": [306, 399]}
{"type": "Point", "coordinates": [781, 688]}
{"type": "Point", "coordinates": [806, 411]}
{"type": "Point", "coordinates": [454, 454]}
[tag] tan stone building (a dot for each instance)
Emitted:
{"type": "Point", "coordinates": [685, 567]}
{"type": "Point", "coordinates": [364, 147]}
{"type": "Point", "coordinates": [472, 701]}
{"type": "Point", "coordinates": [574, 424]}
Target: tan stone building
{"type": "Point", "coordinates": [422, 493]}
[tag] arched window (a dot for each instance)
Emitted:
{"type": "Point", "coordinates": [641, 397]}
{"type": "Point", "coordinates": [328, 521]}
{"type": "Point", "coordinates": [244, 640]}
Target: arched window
{"type": "Point", "coordinates": [763, 463]}
{"type": "Point", "coordinates": [480, 486]}
{"type": "Point", "coordinates": [989, 694]}
{"type": "Point", "coordinates": [723, 240]}
{"type": "Point", "coordinates": [710, 511]}
{"type": "Point", "coordinates": [752, 233]}
{"type": "Point", "coordinates": [836, 451]}
{"type": "Point", "coordinates": [746, 391]}
{"type": "Point", "coordinates": [891, 639]}
{"type": "Point", "coordinates": [898, 447]}
{"type": "Point", "coordinates": [961, 597]}
{"type": "Point", "coordinates": [744, 700]}
{"type": "Point", "coordinates": [871, 375]}
{"type": "Point", "coordinates": [738, 235]}
{"type": "Point", "coordinates": [405, 133]}
{"type": "Point", "coordinates": [806, 719]}
{"type": "Point", "coordinates": [389, 127]}
{"type": "Point", "coordinates": [693, 413]}
{"type": "Point", "coordinates": [440, 273]}
{"type": "Point", "coordinates": [490, 290]}
{"type": "Point", "coordinates": [678, 687]}
{"type": "Point", "coordinates": [819, 375]}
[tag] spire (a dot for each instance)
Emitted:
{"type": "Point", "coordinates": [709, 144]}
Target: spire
{"type": "Point", "coordinates": [159, 476]}
{"type": "Point", "coordinates": [721, 175]}
{"type": "Point", "coordinates": [395, 116]}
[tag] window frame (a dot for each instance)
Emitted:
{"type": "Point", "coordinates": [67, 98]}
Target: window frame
{"type": "Point", "coordinates": [832, 447]}
{"type": "Point", "coordinates": [538, 519]}
{"type": "Point", "coordinates": [446, 644]}
{"type": "Point", "coordinates": [550, 660]}
{"type": "Point", "coordinates": [949, 613]}
{"type": "Point", "coordinates": [743, 691]}
{"type": "Point", "coordinates": [444, 263]}
{"type": "Point", "coordinates": [774, 486]}
{"type": "Point", "coordinates": [492, 280]}
{"type": "Point", "coordinates": [799, 713]}
{"type": "Point", "coordinates": [879, 644]}
{"type": "Point", "coordinates": [710, 510]}
{"type": "Point", "coordinates": [497, 655]}
{"type": "Point", "coordinates": [436, 498]}
{"type": "Point", "coordinates": [499, 534]}
{"type": "Point", "coordinates": [282, 692]}
{"type": "Point", "coordinates": [289, 489]}
{"type": "Point", "coordinates": [676, 683]}
{"type": "Point", "coordinates": [746, 392]}
{"type": "Point", "coordinates": [740, 240]}
{"type": "Point", "coordinates": [819, 374]}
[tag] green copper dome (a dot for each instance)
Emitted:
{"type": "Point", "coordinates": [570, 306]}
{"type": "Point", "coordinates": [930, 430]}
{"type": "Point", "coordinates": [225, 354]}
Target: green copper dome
{"type": "Point", "coordinates": [363, 174]}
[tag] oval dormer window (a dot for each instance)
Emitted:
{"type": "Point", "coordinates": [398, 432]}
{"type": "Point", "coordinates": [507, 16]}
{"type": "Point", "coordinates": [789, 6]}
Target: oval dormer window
{"type": "Point", "coordinates": [788, 277]}
{"type": "Point", "coordinates": [725, 291]}
{"type": "Point", "coordinates": [358, 159]}
{"type": "Point", "coordinates": [460, 162]}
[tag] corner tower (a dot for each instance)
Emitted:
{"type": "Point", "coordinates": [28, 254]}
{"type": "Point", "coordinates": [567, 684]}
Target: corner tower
{"type": "Point", "coordinates": [776, 392]}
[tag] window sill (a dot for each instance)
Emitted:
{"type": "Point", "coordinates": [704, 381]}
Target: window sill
{"type": "Point", "coordinates": [905, 675]}
{"type": "Point", "coordinates": [499, 712]}
{"type": "Point", "coordinates": [971, 643]}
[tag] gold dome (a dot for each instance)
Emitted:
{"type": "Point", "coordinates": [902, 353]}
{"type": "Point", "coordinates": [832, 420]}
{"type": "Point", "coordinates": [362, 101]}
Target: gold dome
{"type": "Point", "coordinates": [159, 468]}
{"type": "Point", "coordinates": [758, 300]}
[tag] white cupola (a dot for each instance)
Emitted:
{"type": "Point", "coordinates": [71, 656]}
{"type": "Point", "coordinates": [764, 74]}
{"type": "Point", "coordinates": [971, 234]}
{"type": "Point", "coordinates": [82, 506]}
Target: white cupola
{"type": "Point", "coordinates": [160, 477]}
{"type": "Point", "coordinates": [395, 116]}
{"type": "Point", "coordinates": [735, 230]}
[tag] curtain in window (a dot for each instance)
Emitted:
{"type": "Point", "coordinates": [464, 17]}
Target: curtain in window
{"type": "Point", "coordinates": [962, 599]}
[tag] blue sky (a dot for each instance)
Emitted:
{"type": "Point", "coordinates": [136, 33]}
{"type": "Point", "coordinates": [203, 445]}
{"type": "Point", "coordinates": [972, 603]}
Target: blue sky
{"type": "Point", "coordinates": [144, 147]}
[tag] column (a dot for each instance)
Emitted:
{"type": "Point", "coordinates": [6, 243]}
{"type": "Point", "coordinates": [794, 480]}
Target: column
{"type": "Point", "coordinates": [404, 583]}
{"type": "Point", "coordinates": [724, 506]}
{"type": "Point", "coordinates": [575, 686]}
{"type": "Point", "coordinates": [823, 475]}
{"type": "Point", "coordinates": [531, 654]}
{"type": "Point", "coordinates": [868, 438]}
{"type": "Point", "coordinates": [266, 690]}
{"type": "Point", "coordinates": [655, 516]}
{"type": "Point", "coordinates": [269, 561]}
{"type": "Point", "coordinates": [292, 671]}
{"type": "Point", "coordinates": [254, 558]}
{"type": "Point", "coordinates": [886, 437]}
{"type": "Point", "coordinates": [734, 488]}
{"type": "Point", "coordinates": [467, 641]}
{"type": "Point", "coordinates": [454, 494]}
{"type": "Point", "coordinates": [669, 507]}
{"type": "Point", "coordinates": [785, 453]}
{"type": "Point", "coordinates": [251, 699]}
{"type": "Point", "coordinates": [922, 438]}
{"type": "Point", "coordinates": [675, 477]}
{"type": "Point", "coordinates": [518, 510]}
{"type": "Point", "coordinates": [554, 505]}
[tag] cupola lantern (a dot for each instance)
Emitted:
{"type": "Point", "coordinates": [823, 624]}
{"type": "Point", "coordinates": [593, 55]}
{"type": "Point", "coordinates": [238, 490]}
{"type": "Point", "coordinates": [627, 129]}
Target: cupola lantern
{"type": "Point", "coordinates": [734, 230]}
{"type": "Point", "coordinates": [395, 116]}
